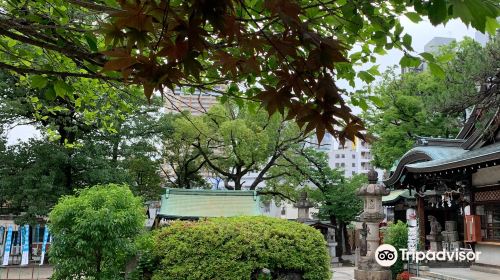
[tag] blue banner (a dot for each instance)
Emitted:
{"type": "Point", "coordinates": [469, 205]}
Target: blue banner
{"type": "Point", "coordinates": [26, 244]}
{"type": "Point", "coordinates": [8, 244]}
{"type": "Point", "coordinates": [2, 230]}
{"type": "Point", "coordinates": [44, 244]}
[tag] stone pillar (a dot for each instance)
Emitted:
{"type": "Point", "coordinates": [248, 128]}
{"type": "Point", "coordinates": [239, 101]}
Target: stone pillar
{"type": "Point", "coordinates": [373, 214]}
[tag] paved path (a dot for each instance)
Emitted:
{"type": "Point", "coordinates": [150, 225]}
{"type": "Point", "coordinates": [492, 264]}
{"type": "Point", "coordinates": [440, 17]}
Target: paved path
{"type": "Point", "coordinates": [466, 273]}
{"type": "Point", "coordinates": [343, 273]}
{"type": "Point", "coordinates": [25, 273]}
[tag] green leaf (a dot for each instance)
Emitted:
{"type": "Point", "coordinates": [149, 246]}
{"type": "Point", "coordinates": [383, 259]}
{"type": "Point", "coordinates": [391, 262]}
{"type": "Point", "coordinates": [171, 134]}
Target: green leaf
{"type": "Point", "coordinates": [407, 41]}
{"type": "Point", "coordinates": [427, 56]}
{"type": "Point", "coordinates": [437, 11]}
{"type": "Point", "coordinates": [436, 70]}
{"type": "Point", "coordinates": [38, 81]}
{"type": "Point", "coordinates": [415, 17]}
{"type": "Point", "coordinates": [492, 25]}
{"type": "Point", "coordinates": [362, 104]}
{"type": "Point", "coordinates": [374, 70]}
{"type": "Point", "coordinates": [62, 89]}
{"type": "Point", "coordinates": [409, 61]}
{"type": "Point", "coordinates": [376, 100]}
{"type": "Point", "coordinates": [50, 94]}
{"type": "Point", "coordinates": [445, 57]}
{"type": "Point", "coordinates": [92, 42]}
{"type": "Point", "coordinates": [366, 77]}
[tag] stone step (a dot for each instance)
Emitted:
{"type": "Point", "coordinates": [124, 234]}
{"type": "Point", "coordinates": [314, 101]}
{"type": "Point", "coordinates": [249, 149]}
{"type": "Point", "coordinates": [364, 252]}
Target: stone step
{"type": "Point", "coordinates": [485, 269]}
{"type": "Point", "coordinates": [439, 276]}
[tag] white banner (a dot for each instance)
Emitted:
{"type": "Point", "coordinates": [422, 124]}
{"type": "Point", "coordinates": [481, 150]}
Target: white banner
{"type": "Point", "coordinates": [412, 239]}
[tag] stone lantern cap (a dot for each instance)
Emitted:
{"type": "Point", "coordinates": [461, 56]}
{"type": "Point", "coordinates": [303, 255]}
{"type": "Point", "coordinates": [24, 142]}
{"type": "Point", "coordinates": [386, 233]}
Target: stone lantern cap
{"type": "Point", "coordinates": [372, 188]}
{"type": "Point", "coordinates": [303, 202]}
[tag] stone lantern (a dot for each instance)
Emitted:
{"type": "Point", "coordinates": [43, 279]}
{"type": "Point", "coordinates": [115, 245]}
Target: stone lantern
{"type": "Point", "coordinates": [303, 205]}
{"type": "Point", "coordinates": [373, 214]}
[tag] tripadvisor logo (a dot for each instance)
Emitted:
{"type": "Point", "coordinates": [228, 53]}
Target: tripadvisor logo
{"type": "Point", "coordinates": [386, 255]}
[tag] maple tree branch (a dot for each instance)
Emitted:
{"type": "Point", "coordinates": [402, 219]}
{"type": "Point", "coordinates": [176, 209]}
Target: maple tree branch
{"type": "Point", "coordinates": [66, 50]}
{"type": "Point", "coordinates": [22, 70]}
{"type": "Point", "coordinates": [93, 6]}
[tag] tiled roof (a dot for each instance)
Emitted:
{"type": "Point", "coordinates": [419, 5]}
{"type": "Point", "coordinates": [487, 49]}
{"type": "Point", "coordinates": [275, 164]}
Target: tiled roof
{"type": "Point", "coordinates": [187, 204]}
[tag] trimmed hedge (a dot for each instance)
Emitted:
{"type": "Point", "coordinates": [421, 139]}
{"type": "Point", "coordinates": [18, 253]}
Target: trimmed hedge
{"type": "Point", "coordinates": [239, 248]}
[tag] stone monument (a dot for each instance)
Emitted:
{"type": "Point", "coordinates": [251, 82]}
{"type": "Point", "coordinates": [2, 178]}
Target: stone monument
{"type": "Point", "coordinates": [373, 214]}
{"type": "Point", "coordinates": [303, 205]}
{"type": "Point", "coordinates": [450, 236]}
{"type": "Point", "coordinates": [332, 245]}
{"type": "Point", "coordinates": [435, 236]}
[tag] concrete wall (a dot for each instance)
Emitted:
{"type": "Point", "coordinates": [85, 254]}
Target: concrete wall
{"type": "Point", "coordinates": [490, 254]}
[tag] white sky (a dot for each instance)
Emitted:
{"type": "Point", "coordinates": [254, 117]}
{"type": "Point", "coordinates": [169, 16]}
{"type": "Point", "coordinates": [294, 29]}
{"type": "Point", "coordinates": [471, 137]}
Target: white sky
{"type": "Point", "coordinates": [422, 33]}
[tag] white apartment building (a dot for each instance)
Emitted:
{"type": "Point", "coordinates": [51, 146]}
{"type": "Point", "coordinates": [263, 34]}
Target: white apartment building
{"type": "Point", "coordinates": [353, 157]}
{"type": "Point", "coordinates": [197, 103]}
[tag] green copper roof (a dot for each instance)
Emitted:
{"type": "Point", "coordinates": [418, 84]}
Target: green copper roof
{"type": "Point", "coordinates": [421, 154]}
{"type": "Point", "coordinates": [393, 196]}
{"type": "Point", "coordinates": [490, 152]}
{"type": "Point", "coordinates": [181, 203]}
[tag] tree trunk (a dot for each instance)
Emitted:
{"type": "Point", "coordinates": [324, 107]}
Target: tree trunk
{"type": "Point", "coordinates": [346, 240]}
{"type": "Point", "coordinates": [338, 236]}
{"type": "Point", "coordinates": [98, 259]}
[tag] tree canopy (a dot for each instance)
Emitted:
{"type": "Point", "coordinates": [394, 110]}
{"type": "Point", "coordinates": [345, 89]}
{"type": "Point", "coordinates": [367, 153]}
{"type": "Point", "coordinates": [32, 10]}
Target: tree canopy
{"type": "Point", "coordinates": [286, 54]}
{"type": "Point", "coordinates": [231, 142]}
{"type": "Point", "coordinates": [415, 105]}
{"type": "Point", "coordinates": [94, 232]}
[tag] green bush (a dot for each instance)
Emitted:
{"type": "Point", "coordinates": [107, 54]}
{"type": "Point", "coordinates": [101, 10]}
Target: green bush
{"type": "Point", "coordinates": [94, 232]}
{"type": "Point", "coordinates": [397, 236]}
{"type": "Point", "coordinates": [239, 248]}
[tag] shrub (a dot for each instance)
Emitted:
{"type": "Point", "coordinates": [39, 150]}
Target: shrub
{"type": "Point", "coordinates": [239, 248]}
{"type": "Point", "coordinates": [397, 236]}
{"type": "Point", "coordinates": [94, 232]}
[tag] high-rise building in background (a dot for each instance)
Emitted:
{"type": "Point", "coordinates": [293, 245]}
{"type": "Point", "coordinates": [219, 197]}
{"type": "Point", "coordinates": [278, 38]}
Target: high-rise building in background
{"type": "Point", "coordinates": [431, 47]}
{"type": "Point", "coordinates": [435, 43]}
{"type": "Point", "coordinates": [353, 157]}
{"type": "Point", "coordinates": [196, 103]}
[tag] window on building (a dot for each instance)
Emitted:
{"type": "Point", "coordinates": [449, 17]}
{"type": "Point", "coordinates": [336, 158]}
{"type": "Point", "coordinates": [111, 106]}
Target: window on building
{"type": "Point", "coordinates": [337, 156]}
{"type": "Point", "coordinates": [342, 164]}
{"type": "Point", "coordinates": [343, 155]}
{"type": "Point", "coordinates": [354, 173]}
{"type": "Point", "coordinates": [353, 164]}
{"type": "Point", "coordinates": [353, 155]}
{"type": "Point", "coordinates": [336, 164]}
{"type": "Point", "coordinates": [490, 222]}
